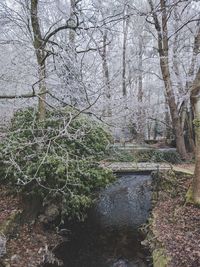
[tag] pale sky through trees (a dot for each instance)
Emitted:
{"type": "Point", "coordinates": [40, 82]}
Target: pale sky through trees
{"type": "Point", "coordinates": [81, 80]}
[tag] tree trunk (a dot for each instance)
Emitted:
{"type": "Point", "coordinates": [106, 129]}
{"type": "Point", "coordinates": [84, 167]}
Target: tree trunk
{"type": "Point", "coordinates": [107, 91]}
{"type": "Point", "coordinates": [163, 48]}
{"type": "Point", "coordinates": [125, 35]}
{"type": "Point", "coordinates": [196, 181]}
{"type": "Point", "coordinates": [72, 35]}
{"type": "Point", "coordinates": [195, 100]}
{"type": "Point", "coordinates": [168, 132]}
{"type": "Point", "coordinates": [176, 123]}
{"type": "Point", "coordinates": [141, 112]}
{"type": "Point", "coordinates": [187, 116]}
{"type": "Point", "coordinates": [40, 54]}
{"type": "Point", "coordinates": [190, 131]}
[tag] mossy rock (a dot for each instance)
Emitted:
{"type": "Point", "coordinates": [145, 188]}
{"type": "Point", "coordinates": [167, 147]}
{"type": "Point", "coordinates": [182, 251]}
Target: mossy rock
{"type": "Point", "coordinates": [10, 224]}
{"type": "Point", "coordinates": [160, 258]}
{"type": "Point", "coordinates": [184, 171]}
{"type": "Point", "coordinates": [189, 198]}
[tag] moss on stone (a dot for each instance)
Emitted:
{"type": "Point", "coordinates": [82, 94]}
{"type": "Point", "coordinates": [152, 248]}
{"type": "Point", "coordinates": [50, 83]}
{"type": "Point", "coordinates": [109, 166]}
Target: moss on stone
{"type": "Point", "coordinates": [196, 123]}
{"type": "Point", "coordinates": [9, 225]}
{"type": "Point", "coordinates": [179, 170]}
{"type": "Point", "coordinates": [160, 258]}
{"type": "Point", "coordinates": [190, 199]}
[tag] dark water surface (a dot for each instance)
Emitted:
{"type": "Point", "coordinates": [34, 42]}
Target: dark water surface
{"type": "Point", "coordinates": [104, 249]}
{"type": "Point", "coordinates": [110, 238]}
{"type": "Point", "coordinates": [125, 203]}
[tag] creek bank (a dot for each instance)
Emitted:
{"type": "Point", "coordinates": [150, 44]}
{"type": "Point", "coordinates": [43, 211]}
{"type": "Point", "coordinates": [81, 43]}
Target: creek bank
{"type": "Point", "coordinates": [90, 246]}
{"type": "Point", "coordinates": [173, 233]}
{"type": "Point", "coordinates": [23, 242]}
{"type": "Point", "coordinates": [100, 245]}
{"type": "Point", "coordinates": [110, 236]}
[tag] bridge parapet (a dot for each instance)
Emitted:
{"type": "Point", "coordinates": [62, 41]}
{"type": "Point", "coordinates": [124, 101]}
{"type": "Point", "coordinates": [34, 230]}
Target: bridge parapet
{"type": "Point", "coordinates": [136, 166]}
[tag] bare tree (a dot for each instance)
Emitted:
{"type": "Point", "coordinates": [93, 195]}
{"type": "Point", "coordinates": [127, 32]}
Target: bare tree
{"type": "Point", "coordinates": [163, 49]}
{"type": "Point", "coordinates": [124, 54]}
{"type": "Point", "coordinates": [41, 56]}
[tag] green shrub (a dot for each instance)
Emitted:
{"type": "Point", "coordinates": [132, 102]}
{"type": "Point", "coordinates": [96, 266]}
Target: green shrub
{"type": "Point", "coordinates": [57, 159]}
{"type": "Point", "coordinates": [146, 155]}
{"type": "Point", "coordinates": [169, 156]}
{"type": "Point", "coordinates": [166, 156]}
{"type": "Point", "coordinates": [143, 155]}
{"type": "Point", "coordinates": [119, 155]}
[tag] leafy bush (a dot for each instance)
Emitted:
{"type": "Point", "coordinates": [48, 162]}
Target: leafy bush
{"type": "Point", "coordinates": [143, 155]}
{"type": "Point", "coordinates": [166, 156]}
{"type": "Point", "coordinates": [169, 156]}
{"type": "Point", "coordinates": [147, 155]}
{"type": "Point", "coordinates": [56, 159]}
{"type": "Point", "coordinates": [119, 155]}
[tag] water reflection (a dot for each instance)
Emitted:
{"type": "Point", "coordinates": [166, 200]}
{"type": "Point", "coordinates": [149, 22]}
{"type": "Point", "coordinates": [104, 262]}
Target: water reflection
{"type": "Point", "coordinates": [105, 248]}
{"type": "Point", "coordinates": [109, 238]}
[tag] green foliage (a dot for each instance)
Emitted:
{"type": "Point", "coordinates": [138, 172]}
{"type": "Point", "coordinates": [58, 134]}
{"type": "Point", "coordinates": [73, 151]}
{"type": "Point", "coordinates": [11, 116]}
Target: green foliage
{"type": "Point", "coordinates": [158, 156]}
{"type": "Point", "coordinates": [147, 155]}
{"type": "Point", "coordinates": [119, 155]}
{"type": "Point", "coordinates": [56, 159]}
{"type": "Point", "coordinates": [160, 258]}
{"type": "Point", "coordinates": [166, 156]}
{"type": "Point", "coordinates": [196, 123]}
{"type": "Point", "coordinates": [164, 182]}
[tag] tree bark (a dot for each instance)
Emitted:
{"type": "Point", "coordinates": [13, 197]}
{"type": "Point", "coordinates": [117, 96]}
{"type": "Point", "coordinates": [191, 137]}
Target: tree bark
{"type": "Point", "coordinates": [40, 55]}
{"type": "Point", "coordinates": [168, 132]}
{"type": "Point", "coordinates": [71, 31]}
{"type": "Point", "coordinates": [187, 116]}
{"type": "Point", "coordinates": [195, 100]}
{"type": "Point", "coordinates": [125, 35]}
{"type": "Point", "coordinates": [107, 91]}
{"type": "Point", "coordinates": [141, 112]}
{"type": "Point", "coordinates": [163, 48]}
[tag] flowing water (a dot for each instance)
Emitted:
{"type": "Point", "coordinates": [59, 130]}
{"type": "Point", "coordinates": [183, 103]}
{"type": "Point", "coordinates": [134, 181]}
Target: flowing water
{"type": "Point", "coordinates": [109, 238]}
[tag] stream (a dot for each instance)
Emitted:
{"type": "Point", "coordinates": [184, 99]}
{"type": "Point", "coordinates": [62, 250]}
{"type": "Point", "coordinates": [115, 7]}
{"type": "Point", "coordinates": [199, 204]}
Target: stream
{"type": "Point", "coordinates": [110, 237]}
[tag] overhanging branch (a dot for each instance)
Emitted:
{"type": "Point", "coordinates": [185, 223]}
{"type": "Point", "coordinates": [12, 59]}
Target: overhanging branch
{"type": "Point", "coordinates": [22, 96]}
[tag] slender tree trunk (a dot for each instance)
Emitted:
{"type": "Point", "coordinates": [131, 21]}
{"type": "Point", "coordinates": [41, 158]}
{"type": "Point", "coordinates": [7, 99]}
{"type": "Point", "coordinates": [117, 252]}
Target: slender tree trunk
{"type": "Point", "coordinates": [176, 123]}
{"type": "Point", "coordinates": [176, 62]}
{"type": "Point", "coordinates": [190, 131]}
{"type": "Point", "coordinates": [40, 54]}
{"type": "Point", "coordinates": [107, 91]}
{"type": "Point", "coordinates": [195, 100]}
{"type": "Point", "coordinates": [125, 35]}
{"type": "Point", "coordinates": [163, 48]}
{"type": "Point", "coordinates": [72, 32]}
{"type": "Point", "coordinates": [167, 122]}
{"type": "Point", "coordinates": [141, 112]}
{"type": "Point", "coordinates": [187, 116]}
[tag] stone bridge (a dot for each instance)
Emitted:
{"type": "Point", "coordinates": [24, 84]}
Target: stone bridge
{"type": "Point", "coordinates": [136, 166]}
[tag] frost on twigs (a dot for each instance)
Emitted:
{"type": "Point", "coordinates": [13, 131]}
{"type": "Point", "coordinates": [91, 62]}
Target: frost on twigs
{"type": "Point", "coordinates": [49, 257]}
{"type": "Point", "coordinates": [57, 160]}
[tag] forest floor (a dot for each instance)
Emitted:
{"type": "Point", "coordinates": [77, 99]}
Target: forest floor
{"type": "Point", "coordinates": [27, 244]}
{"type": "Point", "coordinates": [176, 224]}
